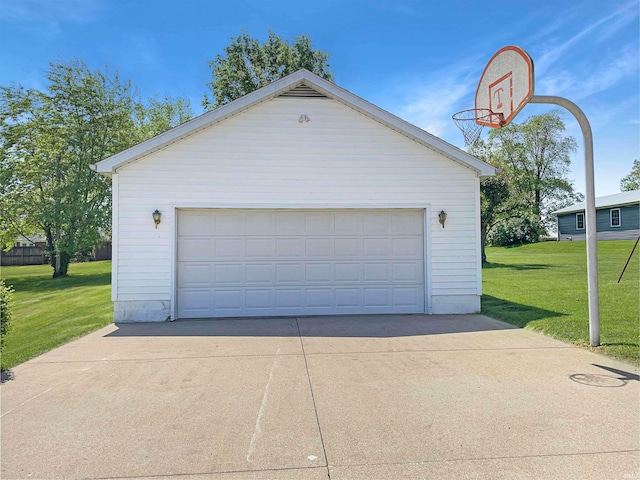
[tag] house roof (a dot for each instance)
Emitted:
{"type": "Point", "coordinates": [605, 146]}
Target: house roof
{"type": "Point", "coordinates": [302, 80]}
{"type": "Point", "coordinates": [608, 201]}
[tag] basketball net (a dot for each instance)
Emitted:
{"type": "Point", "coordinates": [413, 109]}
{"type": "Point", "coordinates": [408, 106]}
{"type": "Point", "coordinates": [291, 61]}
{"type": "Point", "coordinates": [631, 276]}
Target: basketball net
{"type": "Point", "coordinates": [468, 123]}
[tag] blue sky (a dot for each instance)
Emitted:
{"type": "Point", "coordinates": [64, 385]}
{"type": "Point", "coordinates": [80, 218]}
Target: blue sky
{"type": "Point", "coordinates": [420, 60]}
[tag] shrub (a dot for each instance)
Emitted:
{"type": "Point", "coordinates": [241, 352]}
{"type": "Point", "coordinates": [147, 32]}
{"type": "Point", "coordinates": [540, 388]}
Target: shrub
{"type": "Point", "coordinates": [6, 294]}
{"type": "Point", "coordinates": [515, 231]}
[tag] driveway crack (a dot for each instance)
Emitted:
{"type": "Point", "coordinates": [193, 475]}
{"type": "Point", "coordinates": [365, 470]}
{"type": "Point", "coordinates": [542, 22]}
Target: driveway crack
{"type": "Point", "coordinates": [313, 399]}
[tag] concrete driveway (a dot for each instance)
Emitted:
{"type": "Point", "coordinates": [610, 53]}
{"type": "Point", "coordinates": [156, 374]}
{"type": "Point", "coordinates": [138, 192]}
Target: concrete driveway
{"type": "Point", "coordinates": [367, 397]}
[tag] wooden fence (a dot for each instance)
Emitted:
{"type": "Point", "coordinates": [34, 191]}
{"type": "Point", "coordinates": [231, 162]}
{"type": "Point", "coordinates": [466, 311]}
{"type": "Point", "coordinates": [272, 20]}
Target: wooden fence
{"type": "Point", "coordinates": [23, 256]}
{"type": "Point", "coordinates": [37, 255]}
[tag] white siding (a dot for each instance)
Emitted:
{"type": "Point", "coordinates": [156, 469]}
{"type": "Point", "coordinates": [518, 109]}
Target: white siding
{"type": "Point", "coordinates": [265, 157]}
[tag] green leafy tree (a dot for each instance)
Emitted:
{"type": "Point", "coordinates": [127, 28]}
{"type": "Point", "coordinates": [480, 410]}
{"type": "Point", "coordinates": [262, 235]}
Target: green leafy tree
{"type": "Point", "coordinates": [632, 180]}
{"type": "Point", "coordinates": [248, 64]}
{"type": "Point", "coordinates": [535, 157]}
{"type": "Point", "coordinates": [499, 202]}
{"type": "Point", "coordinates": [49, 138]}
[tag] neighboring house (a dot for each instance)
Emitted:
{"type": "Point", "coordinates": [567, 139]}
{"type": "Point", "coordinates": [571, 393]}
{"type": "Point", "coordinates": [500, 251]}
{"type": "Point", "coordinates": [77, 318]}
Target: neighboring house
{"type": "Point", "coordinates": [617, 218]}
{"type": "Point", "coordinates": [31, 241]}
{"type": "Point", "coordinates": [297, 199]}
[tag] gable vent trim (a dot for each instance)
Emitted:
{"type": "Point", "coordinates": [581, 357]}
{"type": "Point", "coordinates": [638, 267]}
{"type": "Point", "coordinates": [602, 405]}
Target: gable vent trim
{"type": "Point", "coordinates": [303, 91]}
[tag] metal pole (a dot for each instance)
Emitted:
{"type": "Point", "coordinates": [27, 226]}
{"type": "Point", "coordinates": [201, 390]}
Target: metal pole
{"type": "Point", "coordinates": [590, 211]}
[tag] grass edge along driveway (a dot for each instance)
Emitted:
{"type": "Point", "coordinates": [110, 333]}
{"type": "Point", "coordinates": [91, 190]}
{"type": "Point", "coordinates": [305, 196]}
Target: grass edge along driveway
{"type": "Point", "coordinates": [49, 312]}
{"type": "Point", "coordinates": [543, 287]}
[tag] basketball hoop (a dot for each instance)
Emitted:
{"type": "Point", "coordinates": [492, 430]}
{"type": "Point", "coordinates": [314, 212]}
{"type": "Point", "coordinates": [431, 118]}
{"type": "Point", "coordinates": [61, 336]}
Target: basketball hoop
{"type": "Point", "coordinates": [471, 123]}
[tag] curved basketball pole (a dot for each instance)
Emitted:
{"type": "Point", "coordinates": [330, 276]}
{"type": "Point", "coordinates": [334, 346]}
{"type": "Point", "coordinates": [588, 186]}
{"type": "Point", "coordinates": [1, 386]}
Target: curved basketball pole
{"type": "Point", "coordinates": [590, 211]}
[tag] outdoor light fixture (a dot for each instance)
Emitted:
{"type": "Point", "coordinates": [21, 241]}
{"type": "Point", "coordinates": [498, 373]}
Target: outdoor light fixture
{"type": "Point", "coordinates": [156, 217]}
{"type": "Point", "coordinates": [304, 118]}
{"type": "Point", "coordinates": [442, 216]}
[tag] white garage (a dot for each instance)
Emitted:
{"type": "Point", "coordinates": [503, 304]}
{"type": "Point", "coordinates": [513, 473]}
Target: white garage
{"type": "Point", "coordinates": [299, 262]}
{"type": "Point", "coordinates": [297, 199]}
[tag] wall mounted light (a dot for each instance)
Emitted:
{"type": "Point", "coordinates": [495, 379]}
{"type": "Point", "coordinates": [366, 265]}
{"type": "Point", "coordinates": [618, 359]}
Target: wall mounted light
{"type": "Point", "coordinates": [442, 216]}
{"type": "Point", "coordinates": [304, 118]}
{"type": "Point", "coordinates": [156, 217]}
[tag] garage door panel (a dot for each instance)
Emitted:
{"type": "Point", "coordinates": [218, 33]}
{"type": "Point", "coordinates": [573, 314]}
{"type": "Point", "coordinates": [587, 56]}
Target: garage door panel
{"type": "Point", "coordinates": [260, 247]}
{"type": "Point", "coordinates": [195, 275]}
{"type": "Point", "coordinates": [259, 299]}
{"type": "Point", "coordinates": [256, 273]}
{"type": "Point", "coordinates": [348, 223]}
{"type": "Point", "coordinates": [377, 296]}
{"type": "Point", "coordinates": [348, 247]}
{"type": "Point", "coordinates": [405, 296]}
{"type": "Point", "coordinates": [195, 302]}
{"type": "Point", "coordinates": [375, 223]}
{"type": "Point", "coordinates": [228, 299]}
{"type": "Point", "coordinates": [228, 247]}
{"type": "Point", "coordinates": [318, 273]}
{"type": "Point", "coordinates": [273, 262]}
{"type": "Point", "coordinates": [287, 298]}
{"type": "Point", "coordinates": [260, 273]}
{"type": "Point", "coordinates": [318, 224]}
{"type": "Point", "coordinates": [196, 223]}
{"type": "Point", "coordinates": [195, 249]}
{"type": "Point", "coordinates": [287, 273]}
{"type": "Point", "coordinates": [290, 223]}
{"type": "Point", "coordinates": [404, 223]}
{"type": "Point", "coordinates": [348, 272]}
{"type": "Point", "coordinates": [377, 247]}
{"type": "Point", "coordinates": [229, 273]}
{"type": "Point", "coordinates": [229, 224]}
{"type": "Point", "coordinates": [406, 247]}
{"type": "Point", "coordinates": [260, 223]}
{"type": "Point", "coordinates": [319, 298]}
{"type": "Point", "coordinates": [289, 248]}
{"type": "Point", "coordinates": [377, 272]}
{"type": "Point", "coordinates": [319, 248]}
{"type": "Point", "coordinates": [406, 272]}
{"type": "Point", "coordinates": [348, 297]}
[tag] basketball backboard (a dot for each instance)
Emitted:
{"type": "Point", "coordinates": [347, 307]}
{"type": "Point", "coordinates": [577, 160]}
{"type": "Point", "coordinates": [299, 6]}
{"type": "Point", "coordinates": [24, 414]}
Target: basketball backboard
{"type": "Point", "coordinates": [505, 87]}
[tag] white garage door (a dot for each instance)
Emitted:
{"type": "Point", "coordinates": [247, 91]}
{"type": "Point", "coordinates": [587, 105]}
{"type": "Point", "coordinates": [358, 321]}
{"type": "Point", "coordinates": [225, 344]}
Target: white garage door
{"type": "Point", "coordinates": [299, 262]}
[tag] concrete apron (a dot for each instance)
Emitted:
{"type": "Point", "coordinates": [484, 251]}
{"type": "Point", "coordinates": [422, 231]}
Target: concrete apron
{"type": "Point", "coordinates": [393, 396]}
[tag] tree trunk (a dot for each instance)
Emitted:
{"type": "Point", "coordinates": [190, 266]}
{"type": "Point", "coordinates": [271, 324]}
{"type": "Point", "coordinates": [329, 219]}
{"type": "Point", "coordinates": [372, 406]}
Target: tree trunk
{"type": "Point", "coordinates": [61, 265]}
{"type": "Point", "coordinates": [483, 241]}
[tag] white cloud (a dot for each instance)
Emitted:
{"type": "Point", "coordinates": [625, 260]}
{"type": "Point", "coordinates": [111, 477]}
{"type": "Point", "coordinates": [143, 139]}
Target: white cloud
{"type": "Point", "coordinates": [599, 30]}
{"type": "Point", "coordinates": [430, 102]}
{"type": "Point", "coordinates": [594, 78]}
{"type": "Point", "coordinates": [49, 14]}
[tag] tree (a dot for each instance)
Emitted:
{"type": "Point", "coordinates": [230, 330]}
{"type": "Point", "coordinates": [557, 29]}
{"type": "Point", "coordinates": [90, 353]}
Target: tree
{"type": "Point", "coordinates": [248, 65]}
{"type": "Point", "coordinates": [632, 180]}
{"type": "Point", "coordinates": [535, 156]}
{"type": "Point", "coordinates": [49, 138]}
{"type": "Point", "coordinates": [499, 202]}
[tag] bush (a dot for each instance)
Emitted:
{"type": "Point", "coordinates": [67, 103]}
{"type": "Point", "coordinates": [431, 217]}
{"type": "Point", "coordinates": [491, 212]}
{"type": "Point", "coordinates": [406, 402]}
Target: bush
{"type": "Point", "coordinates": [6, 294]}
{"type": "Point", "coordinates": [517, 231]}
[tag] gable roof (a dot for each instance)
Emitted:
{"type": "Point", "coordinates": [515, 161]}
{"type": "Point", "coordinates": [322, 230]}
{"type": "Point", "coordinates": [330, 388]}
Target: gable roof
{"type": "Point", "coordinates": [616, 200]}
{"type": "Point", "coordinates": [308, 84]}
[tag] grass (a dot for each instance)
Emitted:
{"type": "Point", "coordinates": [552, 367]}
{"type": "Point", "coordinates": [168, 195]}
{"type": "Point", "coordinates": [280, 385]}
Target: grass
{"type": "Point", "coordinates": [50, 312]}
{"type": "Point", "coordinates": [543, 287]}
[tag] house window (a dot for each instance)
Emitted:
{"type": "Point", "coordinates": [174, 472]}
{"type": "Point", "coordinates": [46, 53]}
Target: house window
{"type": "Point", "coordinates": [580, 221]}
{"type": "Point", "coordinates": [615, 217]}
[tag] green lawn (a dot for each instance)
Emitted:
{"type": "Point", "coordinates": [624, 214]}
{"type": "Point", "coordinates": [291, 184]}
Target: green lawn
{"type": "Point", "coordinates": [50, 312]}
{"type": "Point", "coordinates": [543, 287]}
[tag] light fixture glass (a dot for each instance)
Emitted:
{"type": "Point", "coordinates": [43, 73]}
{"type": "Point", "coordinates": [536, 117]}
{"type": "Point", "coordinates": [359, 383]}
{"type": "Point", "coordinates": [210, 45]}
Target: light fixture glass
{"type": "Point", "coordinates": [442, 216]}
{"type": "Point", "coordinates": [156, 217]}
